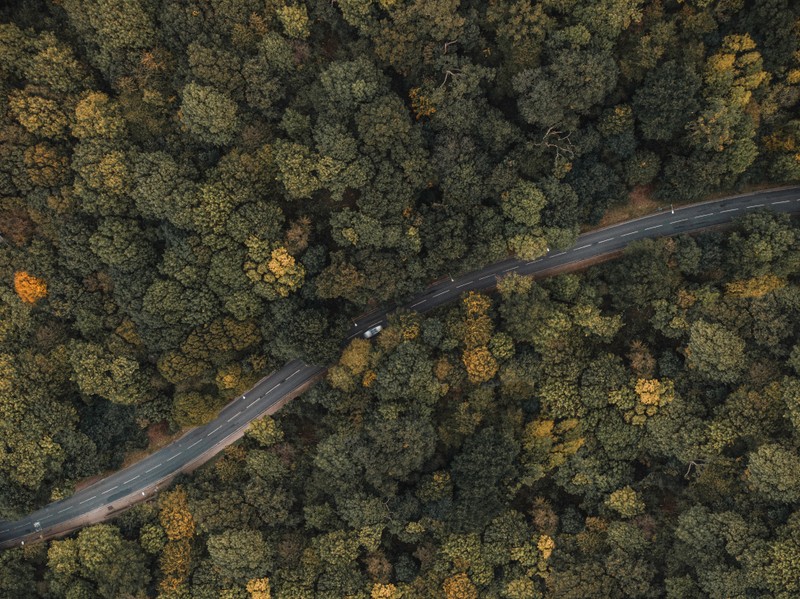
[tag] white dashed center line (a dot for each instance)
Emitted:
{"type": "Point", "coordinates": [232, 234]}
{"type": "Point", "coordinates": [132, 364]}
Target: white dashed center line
{"type": "Point", "coordinates": [631, 233]}
{"type": "Point", "coordinates": [464, 284]}
{"type": "Point", "coordinates": [653, 227]}
{"type": "Point", "coordinates": [583, 247]}
{"type": "Point", "coordinates": [109, 490]}
{"type": "Point", "coordinates": [66, 509]}
{"type": "Point", "coordinates": [755, 205]}
{"type": "Point", "coordinates": [704, 215]}
{"type": "Point", "coordinates": [193, 444]}
{"type": "Point", "coordinates": [559, 254]}
{"type": "Point", "coordinates": [299, 369]}
{"type": "Point", "coordinates": [486, 277]}
{"type": "Point", "coordinates": [153, 468]}
{"type": "Point", "coordinates": [728, 210]}
{"type": "Point", "coordinates": [234, 416]}
{"type": "Point", "coordinates": [90, 498]}
{"type": "Point", "coordinates": [609, 239]}
{"type": "Point", "coordinates": [781, 202]}
{"type": "Point", "coordinates": [441, 293]}
{"type": "Point", "coordinates": [125, 482]}
{"type": "Point", "coordinates": [175, 456]}
{"type": "Point", "coordinates": [681, 220]}
{"type": "Point", "coordinates": [219, 427]}
{"type": "Point", "coordinates": [417, 304]}
{"type": "Point", "coordinates": [512, 268]}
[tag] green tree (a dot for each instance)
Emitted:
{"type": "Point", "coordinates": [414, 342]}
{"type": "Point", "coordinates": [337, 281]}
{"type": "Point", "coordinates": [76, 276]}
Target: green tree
{"type": "Point", "coordinates": [715, 352]}
{"type": "Point", "coordinates": [117, 378]}
{"type": "Point", "coordinates": [773, 472]}
{"type": "Point", "coordinates": [240, 554]}
{"type": "Point", "coordinates": [99, 555]}
{"type": "Point", "coordinates": [208, 114]}
{"type": "Point", "coordinates": [665, 100]}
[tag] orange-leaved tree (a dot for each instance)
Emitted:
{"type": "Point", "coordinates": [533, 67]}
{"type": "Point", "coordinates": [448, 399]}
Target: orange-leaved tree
{"type": "Point", "coordinates": [29, 288]}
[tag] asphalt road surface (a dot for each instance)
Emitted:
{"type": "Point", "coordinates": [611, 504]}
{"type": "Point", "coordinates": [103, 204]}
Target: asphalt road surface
{"type": "Point", "coordinates": [141, 480]}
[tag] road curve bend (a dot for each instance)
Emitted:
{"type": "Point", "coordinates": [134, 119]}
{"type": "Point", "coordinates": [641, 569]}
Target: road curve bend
{"type": "Point", "coordinates": [140, 481]}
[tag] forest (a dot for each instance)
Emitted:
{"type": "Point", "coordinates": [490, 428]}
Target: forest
{"type": "Point", "coordinates": [193, 193]}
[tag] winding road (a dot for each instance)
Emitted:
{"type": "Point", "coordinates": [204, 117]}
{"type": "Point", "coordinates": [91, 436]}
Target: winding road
{"type": "Point", "coordinates": [140, 481]}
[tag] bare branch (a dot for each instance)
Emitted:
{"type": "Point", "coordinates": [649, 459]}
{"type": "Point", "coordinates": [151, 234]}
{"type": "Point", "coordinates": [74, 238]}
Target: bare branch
{"type": "Point", "coordinates": [447, 45]}
{"type": "Point", "coordinates": [449, 73]}
{"type": "Point", "coordinates": [559, 141]}
{"type": "Point", "coordinates": [698, 465]}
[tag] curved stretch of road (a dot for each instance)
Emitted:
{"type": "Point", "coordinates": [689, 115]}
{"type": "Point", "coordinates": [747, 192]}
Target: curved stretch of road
{"type": "Point", "coordinates": [141, 480]}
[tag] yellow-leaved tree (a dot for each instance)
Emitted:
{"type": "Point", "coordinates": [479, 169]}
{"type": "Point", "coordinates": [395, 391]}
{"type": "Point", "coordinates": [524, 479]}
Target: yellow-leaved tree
{"type": "Point", "coordinates": [385, 591]}
{"type": "Point", "coordinates": [178, 524]}
{"type": "Point", "coordinates": [477, 332]}
{"type": "Point", "coordinates": [272, 269]}
{"type": "Point", "coordinates": [259, 588]}
{"type": "Point", "coordinates": [459, 586]}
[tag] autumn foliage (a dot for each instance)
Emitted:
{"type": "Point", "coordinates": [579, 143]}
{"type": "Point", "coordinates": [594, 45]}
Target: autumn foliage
{"type": "Point", "coordinates": [459, 587]}
{"type": "Point", "coordinates": [259, 588]}
{"type": "Point", "coordinates": [477, 332]}
{"type": "Point", "coordinates": [174, 515]}
{"type": "Point", "coordinates": [178, 524]}
{"type": "Point", "coordinates": [29, 288]}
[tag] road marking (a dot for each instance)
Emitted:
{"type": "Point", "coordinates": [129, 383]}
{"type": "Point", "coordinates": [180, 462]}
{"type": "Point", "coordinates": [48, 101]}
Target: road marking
{"type": "Point", "coordinates": [704, 215]}
{"type": "Point", "coordinates": [486, 277]}
{"type": "Point", "coordinates": [781, 202]}
{"type": "Point", "coordinates": [463, 285]}
{"type": "Point", "coordinates": [234, 416]}
{"type": "Point", "coordinates": [755, 205]}
{"type": "Point", "coordinates": [609, 239]}
{"type": "Point", "coordinates": [299, 369]}
{"type": "Point", "coordinates": [18, 527]}
{"type": "Point", "coordinates": [66, 509]}
{"type": "Point", "coordinates": [418, 303]}
{"type": "Point", "coordinates": [250, 405]}
{"type": "Point", "coordinates": [583, 247]}
{"type": "Point", "coordinates": [728, 210]}
{"type": "Point", "coordinates": [131, 479]}
{"type": "Point", "coordinates": [273, 389]}
{"type": "Point", "coordinates": [46, 518]}
{"type": "Point", "coordinates": [153, 468]}
{"type": "Point", "coordinates": [441, 293]}
{"type": "Point", "coordinates": [109, 490]}
{"type": "Point", "coordinates": [192, 445]}
{"type": "Point", "coordinates": [653, 227]}
{"type": "Point", "coordinates": [216, 429]}
{"type": "Point", "coordinates": [85, 500]}
{"type": "Point", "coordinates": [631, 233]}
{"type": "Point", "coordinates": [512, 268]}
{"type": "Point", "coordinates": [175, 456]}
{"type": "Point", "coordinates": [559, 254]}
{"type": "Point", "coordinates": [6, 530]}
{"type": "Point", "coordinates": [532, 262]}
{"type": "Point", "coordinates": [680, 220]}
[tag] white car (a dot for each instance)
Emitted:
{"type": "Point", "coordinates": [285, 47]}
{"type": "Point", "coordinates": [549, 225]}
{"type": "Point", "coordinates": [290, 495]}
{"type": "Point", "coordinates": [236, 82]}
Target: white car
{"type": "Point", "coordinates": [373, 331]}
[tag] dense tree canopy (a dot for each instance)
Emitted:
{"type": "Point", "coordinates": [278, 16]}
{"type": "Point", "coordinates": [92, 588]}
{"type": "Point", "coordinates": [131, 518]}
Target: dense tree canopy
{"type": "Point", "coordinates": [194, 192]}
